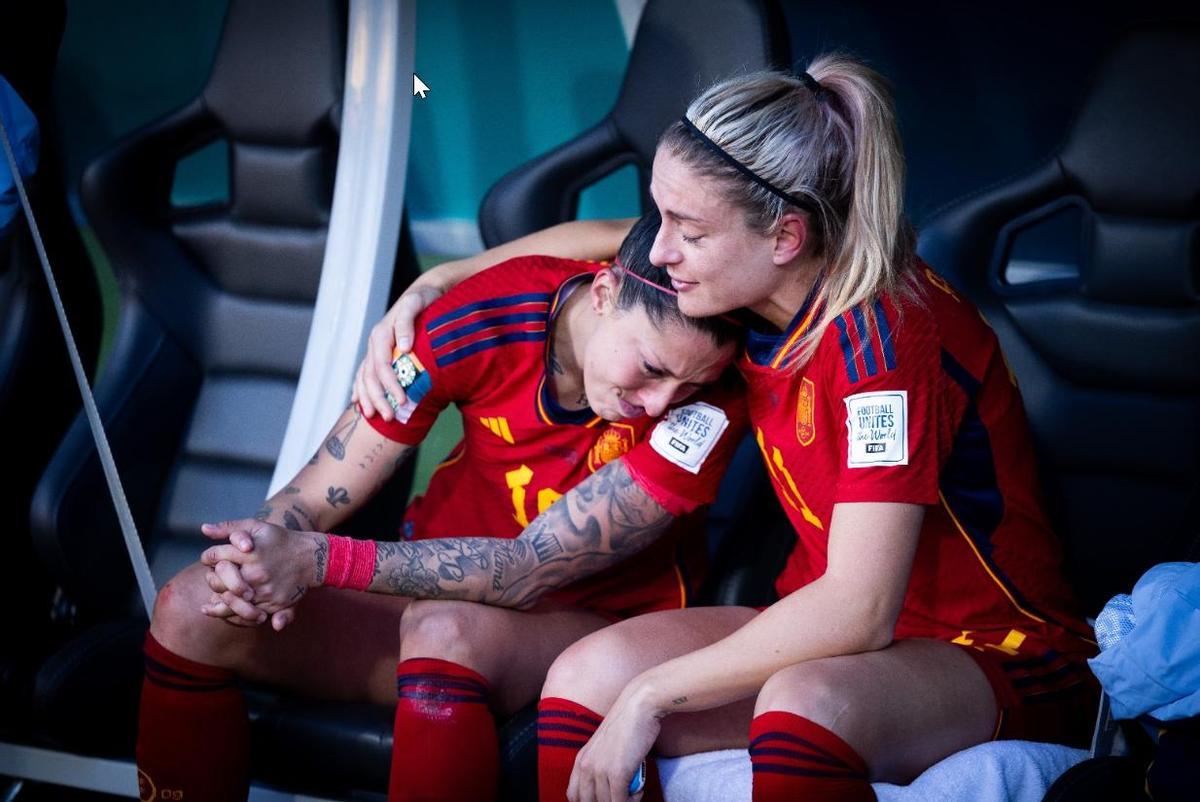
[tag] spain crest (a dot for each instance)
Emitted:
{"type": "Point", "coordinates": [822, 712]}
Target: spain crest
{"type": "Point", "coordinates": [614, 441]}
{"type": "Point", "coordinates": [806, 423]}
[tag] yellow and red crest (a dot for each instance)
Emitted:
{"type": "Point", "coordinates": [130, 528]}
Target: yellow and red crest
{"type": "Point", "coordinates": [806, 422]}
{"type": "Point", "coordinates": [614, 441]}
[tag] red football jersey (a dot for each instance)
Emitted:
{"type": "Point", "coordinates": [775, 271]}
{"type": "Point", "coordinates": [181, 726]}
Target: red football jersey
{"type": "Point", "coordinates": [921, 409]}
{"type": "Point", "coordinates": [483, 347]}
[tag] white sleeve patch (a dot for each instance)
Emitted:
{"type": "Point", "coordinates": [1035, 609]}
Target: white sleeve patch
{"type": "Point", "coordinates": [877, 424]}
{"type": "Point", "coordinates": [687, 435]}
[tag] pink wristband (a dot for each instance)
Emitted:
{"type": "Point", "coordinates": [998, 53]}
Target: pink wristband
{"type": "Point", "coordinates": [351, 563]}
{"type": "Point", "coordinates": [362, 565]}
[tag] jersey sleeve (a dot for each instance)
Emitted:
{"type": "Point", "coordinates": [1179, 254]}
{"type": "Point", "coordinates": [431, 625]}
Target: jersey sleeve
{"type": "Point", "coordinates": [681, 462]}
{"type": "Point", "coordinates": [430, 389]}
{"type": "Point", "coordinates": [887, 398]}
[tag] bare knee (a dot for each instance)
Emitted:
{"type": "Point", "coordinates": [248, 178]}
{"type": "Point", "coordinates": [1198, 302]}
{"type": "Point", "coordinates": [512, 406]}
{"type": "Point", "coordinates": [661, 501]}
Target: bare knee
{"type": "Point", "coordinates": [594, 670]}
{"type": "Point", "coordinates": [179, 625]}
{"type": "Point", "coordinates": [445, 630]}
{"type": "Point", "coordinates": [812, 690]}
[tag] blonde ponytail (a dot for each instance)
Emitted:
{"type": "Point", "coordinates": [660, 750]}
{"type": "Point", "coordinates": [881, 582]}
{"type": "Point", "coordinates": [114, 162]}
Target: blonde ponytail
{"type": "Point", "coordinates": [837, 150]}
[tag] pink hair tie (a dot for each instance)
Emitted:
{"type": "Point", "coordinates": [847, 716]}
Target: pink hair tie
{"type": "Point", "coordinates": [626, 271]}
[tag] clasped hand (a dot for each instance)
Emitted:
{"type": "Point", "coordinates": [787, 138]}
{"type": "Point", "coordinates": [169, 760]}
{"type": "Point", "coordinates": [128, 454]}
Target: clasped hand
{"type": "Point", "coordinates": [260, 573]}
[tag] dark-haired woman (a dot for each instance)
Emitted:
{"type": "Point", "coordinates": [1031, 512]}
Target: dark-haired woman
{"type": "Point", "coordinates": [583, 447]}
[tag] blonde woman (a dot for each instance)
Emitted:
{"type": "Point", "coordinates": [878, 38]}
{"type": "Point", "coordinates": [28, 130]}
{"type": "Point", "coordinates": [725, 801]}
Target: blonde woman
{"type": "Point", "coordinates": [922, 610]}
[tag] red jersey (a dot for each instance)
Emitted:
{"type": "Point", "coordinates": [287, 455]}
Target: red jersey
{"type": "Point", "coordinates": [483, 347]}
{"type": "Point", "coordinates": [922, 409]}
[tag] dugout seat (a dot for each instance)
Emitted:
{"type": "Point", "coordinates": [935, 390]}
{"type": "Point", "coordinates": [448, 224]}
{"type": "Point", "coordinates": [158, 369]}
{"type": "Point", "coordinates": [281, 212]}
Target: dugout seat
{"type": "Point", "coordinates": [1088, 268]}
{"type": "Point", "coordinates": [680, 48]}
{"type": "Point", "coordinates": [215, 306]}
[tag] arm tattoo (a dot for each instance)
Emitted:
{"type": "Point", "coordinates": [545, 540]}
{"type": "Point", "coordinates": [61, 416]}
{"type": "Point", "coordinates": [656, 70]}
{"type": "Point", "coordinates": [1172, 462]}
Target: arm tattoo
{"type": "Point", "coordinates": [340, 438]}
{"type": "Point", "coordinates": [291, 490]}
{"type": "Point", "coordinates": [336, 496]}
{"type": "Point", "coordinates": [545, 545]}
{"type": "Point", "coordinates": [290, 522]}
{"type": "Point", "coordinates": [321, 557]}
{"type": "Point", "coordinates": [600, 522]}
{"type": "Point", "coordinates": [303, 513]}
{"type": "Point", "coordinates": [370, 457]}
{"type": "Point", "coordinates": [264, 513]}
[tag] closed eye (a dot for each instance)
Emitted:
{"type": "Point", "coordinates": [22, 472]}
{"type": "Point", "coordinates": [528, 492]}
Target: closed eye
{"type": "Point", "coordinates": [651, 370]}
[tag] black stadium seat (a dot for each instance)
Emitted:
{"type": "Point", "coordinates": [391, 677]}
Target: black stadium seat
{"type": "Point", "coordinates": [681, 47]}
{"type": "Point", "coordinates": [1088, 268]}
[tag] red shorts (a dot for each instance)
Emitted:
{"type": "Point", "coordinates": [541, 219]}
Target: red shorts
{"type": "Point", "coordinates": [1050, 697]}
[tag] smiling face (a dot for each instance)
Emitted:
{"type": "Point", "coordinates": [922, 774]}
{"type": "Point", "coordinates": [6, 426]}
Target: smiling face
{"type": "Point", "coordinates": [716, 262]}
{"type": "Point", "coordinates": [631, 366]}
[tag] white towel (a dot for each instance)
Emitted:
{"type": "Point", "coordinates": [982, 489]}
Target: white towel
{"type": "Point", "coordinates": [1002, 771]}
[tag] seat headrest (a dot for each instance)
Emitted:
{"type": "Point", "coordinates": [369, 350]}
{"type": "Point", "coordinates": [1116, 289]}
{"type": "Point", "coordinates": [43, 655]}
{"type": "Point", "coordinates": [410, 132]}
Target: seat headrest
{"type": "Point", "coordinates": [278, 70]}
{"type": "Point", "coordinates": [682, 47]}
{"type": "Point", "coordinates": [1135, 149]}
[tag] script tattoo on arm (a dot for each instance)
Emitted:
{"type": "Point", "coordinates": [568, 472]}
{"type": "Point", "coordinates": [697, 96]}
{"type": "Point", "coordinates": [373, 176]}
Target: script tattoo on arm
{"type": "Point", "coordinates": [598, 523]}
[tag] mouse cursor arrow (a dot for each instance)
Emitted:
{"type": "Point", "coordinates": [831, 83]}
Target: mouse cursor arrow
{"type": "Point", "coordinates": [419, 86]}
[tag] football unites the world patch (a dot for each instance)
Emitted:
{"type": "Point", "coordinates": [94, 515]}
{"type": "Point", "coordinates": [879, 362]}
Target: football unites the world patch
{"type": "Point", "coordinates": [687, 435]}
{"type": "Point", "coordinates": [414, 379]}
{"type": "Point", "coordinates": [877, 425]}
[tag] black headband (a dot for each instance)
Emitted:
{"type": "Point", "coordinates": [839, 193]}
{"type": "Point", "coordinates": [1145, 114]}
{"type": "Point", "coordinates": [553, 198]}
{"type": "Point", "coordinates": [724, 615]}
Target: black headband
{"type": "Point", "coordinates": [700, 136]}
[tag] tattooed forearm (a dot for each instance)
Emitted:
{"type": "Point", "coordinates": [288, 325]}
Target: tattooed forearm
{"type": "Point", "coordinates": [264, 513]}
{"type": "Point", "coordinates": [336, 496]}
{"type": "Point", "coordinates": [598, 523]}
{"type": "Point", "coordinates": [601, 522]}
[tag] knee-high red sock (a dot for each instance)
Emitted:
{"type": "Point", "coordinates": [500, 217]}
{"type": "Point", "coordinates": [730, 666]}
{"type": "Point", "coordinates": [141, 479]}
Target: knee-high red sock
{"type": "Point", "coordinates": [794, 758]}
{"type": "Point", "coordinates": [445, 737]}
{"type": "Point", "coordinates": [563, 728]}
{"type": "Point", "coordinates": [193, 734]}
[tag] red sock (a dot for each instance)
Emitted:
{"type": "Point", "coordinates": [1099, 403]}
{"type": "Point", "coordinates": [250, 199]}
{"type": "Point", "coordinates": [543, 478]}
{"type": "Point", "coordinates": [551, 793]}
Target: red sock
{"type": "Point", "coordinates": [193, 733]}
{"type": "Point", "coordinates": [563, 728]}
{"type": "Point", "coordinates": [794, 758]}
{"type": "Point", "coordinates": [445, 748]}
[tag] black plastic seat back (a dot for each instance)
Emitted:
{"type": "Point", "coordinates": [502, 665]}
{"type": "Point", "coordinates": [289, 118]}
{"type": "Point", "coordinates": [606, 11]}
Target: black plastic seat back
{"type": "Point", "coordinates": [1089, 270]}
{"type": "Point", "coordinates": [216, 301]}
{"type": "Point", "coordinates": [681, 47]}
